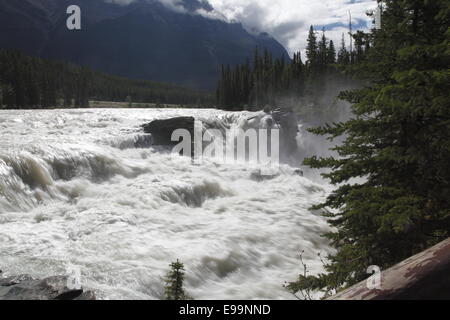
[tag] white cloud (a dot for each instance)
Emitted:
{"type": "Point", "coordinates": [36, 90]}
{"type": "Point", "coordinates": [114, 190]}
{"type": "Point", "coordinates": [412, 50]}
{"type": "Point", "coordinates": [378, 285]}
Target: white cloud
{"type": "Point", "coordinates": [289, 20]}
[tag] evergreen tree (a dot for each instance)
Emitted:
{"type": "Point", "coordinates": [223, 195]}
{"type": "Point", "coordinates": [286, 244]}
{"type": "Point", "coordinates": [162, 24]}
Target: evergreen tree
{"type": "Point", "coordinates": [311, 47]}
{"type": "Point", "coordinates": [174, 282]}
{"type": "Point", "coordinates": [343, 54]}
{"type": "Point", "coordinates": [331, 53]}
{"type": "Point", "coordinates": [397, 144]}
{"type": "Point", "coordinates": [322, 52]}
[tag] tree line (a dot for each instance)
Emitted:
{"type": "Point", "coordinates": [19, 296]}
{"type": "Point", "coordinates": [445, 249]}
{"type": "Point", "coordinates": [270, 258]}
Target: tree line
{"type": "Point", "coordinates": [29, 82]}
{"type": "Point", "coordinates": [268, 81]}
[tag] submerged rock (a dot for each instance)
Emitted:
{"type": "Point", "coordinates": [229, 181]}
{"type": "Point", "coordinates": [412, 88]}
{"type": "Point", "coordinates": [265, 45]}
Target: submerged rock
{"type": "Point", "coordinates": [260, 175]}
{"type": "Point", "coordinates": [25, 287]}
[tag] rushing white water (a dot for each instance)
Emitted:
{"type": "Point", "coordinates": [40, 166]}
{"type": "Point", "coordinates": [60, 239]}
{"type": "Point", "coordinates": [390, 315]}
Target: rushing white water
{"type": "Point", "coordinates": [76, 192]}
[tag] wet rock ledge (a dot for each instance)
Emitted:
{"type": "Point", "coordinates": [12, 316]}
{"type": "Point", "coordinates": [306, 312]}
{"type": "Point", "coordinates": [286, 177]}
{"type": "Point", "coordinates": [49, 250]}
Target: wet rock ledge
{"type": "Point", "coordinates": [25, 287]}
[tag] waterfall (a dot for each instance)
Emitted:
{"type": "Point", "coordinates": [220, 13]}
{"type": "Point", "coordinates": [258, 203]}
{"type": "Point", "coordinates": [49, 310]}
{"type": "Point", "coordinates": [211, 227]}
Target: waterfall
{"type": "Point", "coordinates": [89, 189]}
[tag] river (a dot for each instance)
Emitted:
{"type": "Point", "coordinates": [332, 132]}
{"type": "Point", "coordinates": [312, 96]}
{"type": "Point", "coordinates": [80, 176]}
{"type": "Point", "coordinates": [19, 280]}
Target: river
{"type": "Point", "coordinates": [75, 192]}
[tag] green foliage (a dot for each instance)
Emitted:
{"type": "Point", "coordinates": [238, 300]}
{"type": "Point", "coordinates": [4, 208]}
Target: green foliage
{"type": "Point", "coordinates": [312, 53]}
{"type": "Point", "coordinates": [307, 284]}
{"type": "Point", "coordinates": [259, 84]}
{"type": "Point", "coordinates": [174, 282]}
{"type": "Point", "coordinates": [281, 82]}
{"type": "Point", "coordinates": [27, 82]}
{"type": "Point", "coordinates": [397, 144]}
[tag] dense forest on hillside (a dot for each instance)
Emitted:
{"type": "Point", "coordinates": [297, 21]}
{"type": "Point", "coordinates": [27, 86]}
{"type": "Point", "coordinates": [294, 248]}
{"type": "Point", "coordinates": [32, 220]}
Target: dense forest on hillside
{"type": "Point", "coordinates": [28, 82]}
{"type": "Point", "coordinates": [397, 143]}
{"type": "Point", "coordinates": [310, 87]}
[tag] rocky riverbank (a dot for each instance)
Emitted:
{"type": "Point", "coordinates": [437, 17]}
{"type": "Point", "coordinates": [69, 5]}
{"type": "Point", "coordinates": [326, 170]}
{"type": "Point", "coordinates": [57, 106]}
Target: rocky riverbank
{"type": "Point", "coordinates": [25, 287]}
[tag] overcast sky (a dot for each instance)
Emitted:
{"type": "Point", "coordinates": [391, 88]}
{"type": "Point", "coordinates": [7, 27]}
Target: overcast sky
{"type": "Point", "coordinates": [289, 20]}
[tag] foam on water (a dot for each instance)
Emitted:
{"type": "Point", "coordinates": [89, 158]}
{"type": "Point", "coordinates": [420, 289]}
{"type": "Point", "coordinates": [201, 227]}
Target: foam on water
{"type": "Point", "coordinates": [76, 191]}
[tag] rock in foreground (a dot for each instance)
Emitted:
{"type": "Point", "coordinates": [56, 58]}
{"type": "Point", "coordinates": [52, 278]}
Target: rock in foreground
{"type": "Point", "coordinates": [25, 287]}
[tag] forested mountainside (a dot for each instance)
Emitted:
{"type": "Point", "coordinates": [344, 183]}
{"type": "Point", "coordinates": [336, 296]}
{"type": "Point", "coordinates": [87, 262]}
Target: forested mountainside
{"type": "Point", "coordinates": [310, 87]}
{"type": "Point", "coordinates": [28, 82]}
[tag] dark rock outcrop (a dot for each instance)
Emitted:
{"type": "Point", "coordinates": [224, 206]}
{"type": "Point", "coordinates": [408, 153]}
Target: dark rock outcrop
{"type": "Point", "coordinates": [287, 121]}
{"type": "Point", "coordinates": [161, 130]}
{"type": "Point", "coordinates": [25, 287]}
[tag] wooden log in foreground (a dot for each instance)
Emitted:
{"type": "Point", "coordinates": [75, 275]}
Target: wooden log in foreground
{"type": "Point", "coordinates": [424, 276]}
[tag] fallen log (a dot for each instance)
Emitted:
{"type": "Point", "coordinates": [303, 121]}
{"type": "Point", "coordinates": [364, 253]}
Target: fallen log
{"type": "Point", "coordinates": [425, 276]}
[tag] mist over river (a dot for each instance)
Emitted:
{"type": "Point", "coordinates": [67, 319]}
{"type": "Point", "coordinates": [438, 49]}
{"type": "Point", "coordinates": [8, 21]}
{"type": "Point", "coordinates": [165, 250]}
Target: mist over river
{"type": "Point", "coordinates": [75, 191]}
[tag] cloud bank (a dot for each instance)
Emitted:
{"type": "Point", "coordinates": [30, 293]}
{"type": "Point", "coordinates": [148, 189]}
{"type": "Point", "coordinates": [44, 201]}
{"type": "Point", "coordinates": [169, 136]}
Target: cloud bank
{"type": "Point", "coordinates": [289, 20]}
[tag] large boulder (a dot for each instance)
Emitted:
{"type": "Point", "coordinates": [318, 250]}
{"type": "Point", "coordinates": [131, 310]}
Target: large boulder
{"type": "Point", "coordinates": [25, 287]}
{"type": "Point", "coordinates": [161, 130]}
{"type": "Point", "coordinates": [284, 118]}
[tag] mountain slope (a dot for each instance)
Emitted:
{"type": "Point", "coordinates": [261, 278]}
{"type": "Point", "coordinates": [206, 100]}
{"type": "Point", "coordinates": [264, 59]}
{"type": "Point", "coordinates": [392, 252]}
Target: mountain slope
{"type": "Point", "coordinates": [144, 40]}
{"type": "Point", "coordinates": [33, 83]}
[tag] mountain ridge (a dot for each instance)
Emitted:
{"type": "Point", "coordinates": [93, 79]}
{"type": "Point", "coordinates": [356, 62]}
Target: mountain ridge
{"type": "Point", "coordinates": [142, 40]}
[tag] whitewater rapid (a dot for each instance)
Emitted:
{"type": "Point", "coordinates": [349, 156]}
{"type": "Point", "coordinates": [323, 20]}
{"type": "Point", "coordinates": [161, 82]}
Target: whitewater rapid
{"type": "Point", "coordinates": [75, 191]}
